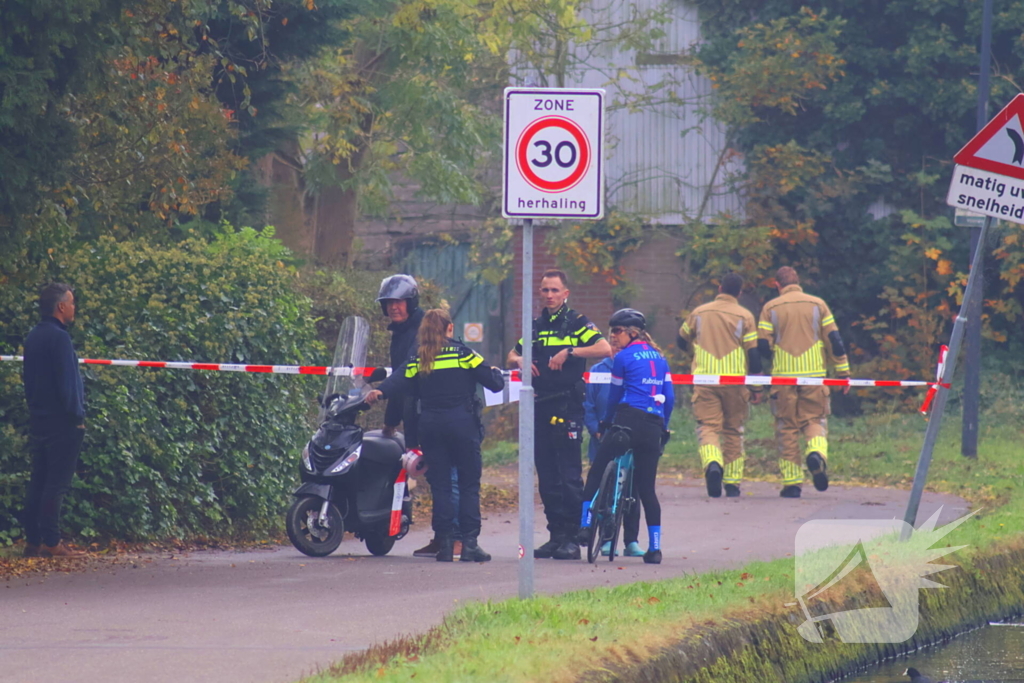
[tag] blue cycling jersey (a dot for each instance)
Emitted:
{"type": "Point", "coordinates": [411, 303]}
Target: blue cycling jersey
{"type": "Point", "coordinates": [641, 378]}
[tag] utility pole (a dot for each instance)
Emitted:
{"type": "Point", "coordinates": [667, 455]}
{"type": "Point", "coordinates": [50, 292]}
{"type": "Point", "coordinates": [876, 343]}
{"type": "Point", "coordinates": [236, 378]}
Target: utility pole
{"type": "Point", "coordinates": [972, 365]}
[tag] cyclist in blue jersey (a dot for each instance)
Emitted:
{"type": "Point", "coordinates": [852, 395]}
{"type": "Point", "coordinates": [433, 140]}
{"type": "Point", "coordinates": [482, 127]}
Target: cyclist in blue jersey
{"type": "Point", "coordinates": [641, 399]}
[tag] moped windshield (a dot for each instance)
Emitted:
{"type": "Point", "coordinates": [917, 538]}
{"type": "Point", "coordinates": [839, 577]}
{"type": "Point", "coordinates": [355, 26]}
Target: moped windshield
{"type": "Point", "coordinates": [347, 376]}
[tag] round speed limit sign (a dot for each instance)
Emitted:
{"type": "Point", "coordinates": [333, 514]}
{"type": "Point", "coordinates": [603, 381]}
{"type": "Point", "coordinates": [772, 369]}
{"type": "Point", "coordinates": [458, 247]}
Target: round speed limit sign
{"type": "Point", "coordinates": [553, 163]}
{"type": "Point", "coordinates": [553, 154]}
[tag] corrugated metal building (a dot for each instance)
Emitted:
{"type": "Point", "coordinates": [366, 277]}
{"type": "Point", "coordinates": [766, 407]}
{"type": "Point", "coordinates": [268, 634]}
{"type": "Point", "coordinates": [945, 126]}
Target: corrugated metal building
{"type": "Point", "coordinates": [667, 160]}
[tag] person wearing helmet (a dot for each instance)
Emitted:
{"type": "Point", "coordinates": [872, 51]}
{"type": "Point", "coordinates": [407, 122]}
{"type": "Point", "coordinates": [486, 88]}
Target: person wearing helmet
{"type": "Point", "coordinates": [563, 340]}
{"type": "Point", "coordinates": [641, 400]}
{"type": "Point", "coordinates": [399, 299]}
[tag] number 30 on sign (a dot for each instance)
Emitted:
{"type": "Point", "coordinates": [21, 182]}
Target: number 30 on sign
{"type": "Point", "coordinates": [553, 159]}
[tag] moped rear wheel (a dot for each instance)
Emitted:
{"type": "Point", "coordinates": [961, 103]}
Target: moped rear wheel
{"type": "Point", "coordinates": [306, 532]}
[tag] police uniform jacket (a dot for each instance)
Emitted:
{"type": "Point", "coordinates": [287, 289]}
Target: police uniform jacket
{"type": "Point", "coordinates": [552, 333]}
{"type": "Point", "coordinates": [451, 383]}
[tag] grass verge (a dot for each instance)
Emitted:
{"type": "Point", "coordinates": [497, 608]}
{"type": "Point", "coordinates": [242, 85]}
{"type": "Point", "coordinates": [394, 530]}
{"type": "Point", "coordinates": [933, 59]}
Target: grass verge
{"type": "Point", "coordinates": [609, 632]}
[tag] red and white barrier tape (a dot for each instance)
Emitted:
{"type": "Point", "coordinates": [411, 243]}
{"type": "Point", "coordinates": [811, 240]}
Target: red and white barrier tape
{"type": "Point", "coordinates": [224, 367]}
{"type": "Point", "coordinates": [591, 377]}
{"type": "Point", "coordinates": [933, 388]}
{"type": "Point", "coordinates": [396, 503]}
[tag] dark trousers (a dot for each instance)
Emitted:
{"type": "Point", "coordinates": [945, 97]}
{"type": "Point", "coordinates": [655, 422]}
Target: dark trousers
{"type": "Point", "coordinates": [55, 449]}
{"type": "Point", "coordinates": [645, 440]}
{"type": "Point", "coordinates": [558, 455]}
{"type": "Point", "coordinates": [451, 440]}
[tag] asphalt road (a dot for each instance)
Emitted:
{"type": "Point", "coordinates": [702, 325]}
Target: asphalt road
{"type": "Point", "coordinates": [273, 615]}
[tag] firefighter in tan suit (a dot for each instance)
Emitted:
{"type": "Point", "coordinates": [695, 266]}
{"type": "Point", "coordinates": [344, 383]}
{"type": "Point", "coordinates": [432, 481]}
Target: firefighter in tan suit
{"type": "Point", "coordinates": [797, 331]}
{"type": "Point", "coordinates": [724, 339]}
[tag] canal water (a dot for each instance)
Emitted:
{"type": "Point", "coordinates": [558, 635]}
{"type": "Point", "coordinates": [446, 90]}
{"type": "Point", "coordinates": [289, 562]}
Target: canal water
{"type": "Point", "coordinates": [994, 654]}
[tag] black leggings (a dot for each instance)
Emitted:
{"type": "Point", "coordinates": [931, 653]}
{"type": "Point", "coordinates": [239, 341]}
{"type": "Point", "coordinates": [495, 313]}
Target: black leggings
{"type": "Point", "coordinates": [645, 440]}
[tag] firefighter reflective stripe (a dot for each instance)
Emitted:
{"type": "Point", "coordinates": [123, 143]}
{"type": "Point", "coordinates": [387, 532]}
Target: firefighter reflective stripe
{"type": "Point", "coordinates": [810, 363]}
{"type": "Point", "coordinates": [750, 337]}
{"type": "Point", "coordinates": [710, 453]}
{"type": "Point", "coordinates": [817, 444]}
{"type": "Point", "coordinates": [792, 474]}
{"type": "Point", "coordinates": [735, 363]}
{"type": "Point", "coordinates": [685, 329]}
{"type": "Point", "coordinates": [733, 472]}
{"type": "Point", "coordinates": [829, 320]}
{"type": "Point", "coordinates": [766, 325]}
{"type": "Point", "coordinates": [843, 368]}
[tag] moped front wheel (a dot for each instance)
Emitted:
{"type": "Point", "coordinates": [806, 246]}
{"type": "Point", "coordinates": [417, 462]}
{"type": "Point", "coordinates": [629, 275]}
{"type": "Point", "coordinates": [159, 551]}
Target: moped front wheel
{"type": "Point", "coordinates": [379, 543]}
{"type": "Point", "coordinates": [308, 533]}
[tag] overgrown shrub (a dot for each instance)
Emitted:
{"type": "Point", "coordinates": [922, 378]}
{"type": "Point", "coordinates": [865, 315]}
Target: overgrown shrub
{"type": "Point", "coordinates": [175, 453]}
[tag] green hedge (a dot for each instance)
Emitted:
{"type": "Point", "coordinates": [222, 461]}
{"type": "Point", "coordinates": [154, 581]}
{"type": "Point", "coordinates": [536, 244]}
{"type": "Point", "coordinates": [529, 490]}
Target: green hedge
{"type": "Point", "coordinates": [173, 453]}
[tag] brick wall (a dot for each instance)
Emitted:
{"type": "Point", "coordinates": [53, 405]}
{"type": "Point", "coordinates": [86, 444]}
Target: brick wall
{"type": "Point", "coordinates": [664, 288]}
{"type": "Point", "coordinates": [593, 299]}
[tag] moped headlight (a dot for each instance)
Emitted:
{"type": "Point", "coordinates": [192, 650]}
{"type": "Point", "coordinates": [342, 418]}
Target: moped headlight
{"type": "Point", "coordinates": [305, 458]}
{"type": "Point", "coordinates": [347, 461]}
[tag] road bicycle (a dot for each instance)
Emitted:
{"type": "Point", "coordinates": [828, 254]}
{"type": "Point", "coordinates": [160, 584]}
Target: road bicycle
{"type": "Point", "coordinates": [612, 502]}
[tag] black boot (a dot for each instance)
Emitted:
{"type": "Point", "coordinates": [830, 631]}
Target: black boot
{"type": "Point", "coordinates": [446, 549]}
{"type": "Point", "coordinates": [569, 550]}
{"type": "Point", "coordinates": [545, 551]}
{"type": "Point", "coordinates": [713, 479]}
{"type": "Point", "coordinates": [819, 470]}
{"type": "Point", "coordinates": [732, 490]}
{"type": "Point", "coordinates": [471, 552]}
{"type": "Point", "coordinates": [790, 491]}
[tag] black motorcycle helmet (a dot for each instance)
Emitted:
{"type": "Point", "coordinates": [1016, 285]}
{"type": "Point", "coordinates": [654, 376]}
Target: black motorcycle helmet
{"type": "Point", "coordinates": [628, 317]}
{"type": "Point", "coordinates": [399, 287]}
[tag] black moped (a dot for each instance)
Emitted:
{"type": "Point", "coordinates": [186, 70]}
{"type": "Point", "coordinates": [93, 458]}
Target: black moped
{"type": "Point", "coordinates": [351, 480]}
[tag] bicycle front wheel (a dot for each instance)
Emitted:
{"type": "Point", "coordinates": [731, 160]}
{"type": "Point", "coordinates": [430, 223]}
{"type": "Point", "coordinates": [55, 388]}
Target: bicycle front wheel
{"type": "Point", "coordinates": [601, 512]}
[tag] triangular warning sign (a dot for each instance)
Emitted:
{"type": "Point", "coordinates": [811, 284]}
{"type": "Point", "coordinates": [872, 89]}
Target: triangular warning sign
{"type": "Point", "coordinates": [999, 146]}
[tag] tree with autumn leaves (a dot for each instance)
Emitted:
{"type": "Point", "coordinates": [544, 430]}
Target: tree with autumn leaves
{"type": "Point", "coordinates": [847, 117]}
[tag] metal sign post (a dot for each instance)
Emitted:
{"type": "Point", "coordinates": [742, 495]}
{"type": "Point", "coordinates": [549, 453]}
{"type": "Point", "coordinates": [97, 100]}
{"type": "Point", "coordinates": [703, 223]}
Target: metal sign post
{"type": "Point", "coordinates": [972, 360]}
{"type": "Point", "coordinates": [553, 169]}
{"type": "Point", "coordinates": [526, 424]}
{"type": "Point", "coordinates": [988, 179]}
{"type": "Point", "coordinates": [931, 435]}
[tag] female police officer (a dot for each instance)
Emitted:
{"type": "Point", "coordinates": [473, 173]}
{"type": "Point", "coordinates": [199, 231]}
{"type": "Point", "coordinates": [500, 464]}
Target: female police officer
{"type": "Point", "coordinates": [641, 399]}
{"type": "Point", "coordinates": [444, 375]}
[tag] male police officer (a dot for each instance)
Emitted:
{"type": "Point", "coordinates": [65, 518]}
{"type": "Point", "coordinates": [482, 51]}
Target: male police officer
{"type": "Point", "coordinates": [799, 334]}
{"type": "Point", "coordinates": [562, 341]}
{"type": "Point", "coordinates": [724, 339]}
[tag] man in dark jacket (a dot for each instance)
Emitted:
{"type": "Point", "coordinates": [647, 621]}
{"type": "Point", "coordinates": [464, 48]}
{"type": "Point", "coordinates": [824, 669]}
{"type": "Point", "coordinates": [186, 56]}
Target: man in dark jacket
{"type": "Point", "coordinates": [56, 405]}
{"type": "Point", "coordinates": [399, 299]}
